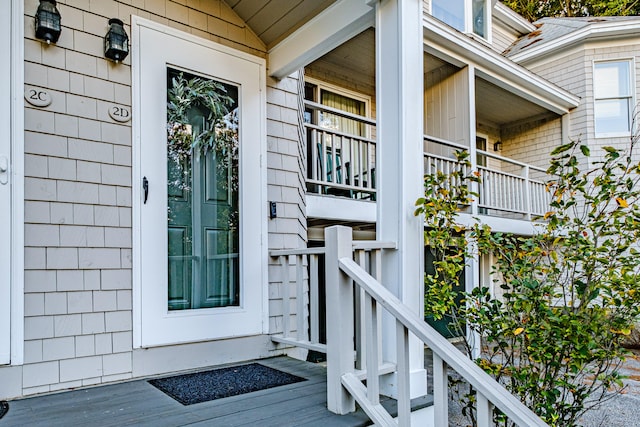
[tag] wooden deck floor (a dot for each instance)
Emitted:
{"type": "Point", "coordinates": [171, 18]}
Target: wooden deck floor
{"type": "Point", "coordinates": [139, 403]}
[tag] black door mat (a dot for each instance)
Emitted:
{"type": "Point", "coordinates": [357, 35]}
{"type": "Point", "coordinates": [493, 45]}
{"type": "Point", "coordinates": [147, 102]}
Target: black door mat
{"type": "Point", "coordinates": [4, 408]}
{"type": "Point", "coordinates": [218, 383]}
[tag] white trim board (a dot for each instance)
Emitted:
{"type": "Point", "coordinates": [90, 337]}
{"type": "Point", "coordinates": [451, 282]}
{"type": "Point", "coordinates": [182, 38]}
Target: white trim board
{"type": "Point", "coordinates": [12, 192]}
{"type": "Point", "coordinates": [329, 207]}
{"type": "Point", "coordinates": [335, 25]}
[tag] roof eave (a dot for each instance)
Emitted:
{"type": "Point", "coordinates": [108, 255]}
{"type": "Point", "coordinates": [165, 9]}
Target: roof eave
{"type": "Point", "coordinates": [498, 69]}
{"type": "Point", "coordinates": [512, 20]}
{"type": "Point", "coordinates": [601, 30]}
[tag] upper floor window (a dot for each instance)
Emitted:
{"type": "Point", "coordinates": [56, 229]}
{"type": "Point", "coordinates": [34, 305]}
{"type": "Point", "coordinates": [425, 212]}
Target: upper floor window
{"type": "Point", "coordinates": [613, 97]}
{"type": "Point", "coordinates": [464, 15]}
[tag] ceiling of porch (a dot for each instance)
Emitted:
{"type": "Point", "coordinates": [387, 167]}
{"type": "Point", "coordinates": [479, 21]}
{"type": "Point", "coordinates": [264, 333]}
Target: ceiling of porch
{"type": "Point", "coordinates": [273, 20]}
{"type": "Point", "coordinates": [496, 106]}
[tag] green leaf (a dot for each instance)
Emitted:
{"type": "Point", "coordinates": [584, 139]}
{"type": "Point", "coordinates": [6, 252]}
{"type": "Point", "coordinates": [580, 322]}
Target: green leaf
{"type": "Point", "coordinates": [562, 148]}
{"type": "Point", "coordinates": [585, 150]}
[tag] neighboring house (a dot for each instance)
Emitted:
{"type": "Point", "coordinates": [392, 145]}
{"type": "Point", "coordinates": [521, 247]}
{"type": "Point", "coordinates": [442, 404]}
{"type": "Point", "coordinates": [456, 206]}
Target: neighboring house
{"type": "Point", "coordinates": [122, 258]}
{"type": "Point", "coordinates": [596, 59]}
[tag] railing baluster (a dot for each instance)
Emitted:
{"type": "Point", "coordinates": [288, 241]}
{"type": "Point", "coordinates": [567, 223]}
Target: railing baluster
{"type": "Point", "coordinates": [284, 262]}
{"type": "Point", "coordinates": [372, 340]}
{"type": "Point", "coordinates": [314, 299]}
{"type": "Point", "coordinates": [484, 411]}
{"type": "Point", "coordinates": [403, 372]}
{"type": "Point", "coordinates": [324, 155]}
{"type": "Point", "coordinates": [334, 160]}
{"type": "Point", "coordinates": [353, 147]}
{"type": "Point", "coordinates": [315, 174]}
{"type": "Point", "coordinates": [370, 155]}
{"type": "Point", "coordinates": [301, 330]}
{"type": "Point", "coordinates": [361, 319]}
{"type": "Point", "coordinates": [440, 391]}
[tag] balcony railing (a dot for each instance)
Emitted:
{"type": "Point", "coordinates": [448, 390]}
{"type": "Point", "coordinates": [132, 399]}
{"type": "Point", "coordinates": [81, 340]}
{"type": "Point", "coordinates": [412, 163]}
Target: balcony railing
{"type": "Point", "coordinates": [507, 188]}
{"type": "Point", "coordinates": [344, 165]}
{"type": "Point", "coordinates": [340, 163]}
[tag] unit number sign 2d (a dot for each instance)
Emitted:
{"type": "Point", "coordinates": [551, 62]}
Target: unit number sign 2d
{"type": "Point", "coordinates": [119, 113]}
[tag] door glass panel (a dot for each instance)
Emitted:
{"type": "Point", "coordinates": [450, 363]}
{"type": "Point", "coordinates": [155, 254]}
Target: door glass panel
{"type": "Point", "coordinates": [202, 192]}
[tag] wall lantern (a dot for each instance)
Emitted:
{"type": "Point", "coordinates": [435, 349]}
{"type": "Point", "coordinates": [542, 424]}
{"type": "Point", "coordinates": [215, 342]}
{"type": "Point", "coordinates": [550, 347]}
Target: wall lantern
{"type": "Point", "coordinates": [48, 21]}
{"type": "Point", "coordinates": [497, 146]}
{"type": "Point", "coordinates": [116, 42]}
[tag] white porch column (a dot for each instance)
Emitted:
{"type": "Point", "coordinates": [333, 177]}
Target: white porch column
{"type": "Point", "coordinates": [399, 100]}
{"type": "Point", "coordinates": [472, 269]}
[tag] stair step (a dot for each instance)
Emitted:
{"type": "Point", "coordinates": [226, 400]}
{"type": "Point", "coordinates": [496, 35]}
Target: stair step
{"type": "Point", "coordinates": [418, 405]}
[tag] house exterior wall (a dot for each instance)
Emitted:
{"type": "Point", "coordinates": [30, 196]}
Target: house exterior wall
{"type": "Point", "coordinates": [532, 141]}
{"type": "Point", "coordinates": [574, 72]}
{"type": "Point", "coordinates": [78, 197]}
{"type": "Point", "coordinates": [446, 105]}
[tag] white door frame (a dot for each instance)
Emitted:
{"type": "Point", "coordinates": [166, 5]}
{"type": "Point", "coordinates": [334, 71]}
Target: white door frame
{"type": "Point", "coordinates": [12, 190]}
{"type": "Point", "coordinates": [251, 202]}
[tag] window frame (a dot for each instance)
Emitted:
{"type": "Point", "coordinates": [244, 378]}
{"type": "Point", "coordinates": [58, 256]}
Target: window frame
{"type": "Point", "coordinates": [468, 20]}
{"type": "Point", "coordinates": [631, 98]}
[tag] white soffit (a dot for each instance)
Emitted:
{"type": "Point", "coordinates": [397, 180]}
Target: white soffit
{"type": "Point", "coordinates": [335, 25]}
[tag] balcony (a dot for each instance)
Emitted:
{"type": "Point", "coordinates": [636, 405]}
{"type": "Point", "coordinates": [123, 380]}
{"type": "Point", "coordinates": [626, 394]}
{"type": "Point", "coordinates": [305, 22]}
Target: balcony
{"type": "Point", "coordinates": [343, 165]}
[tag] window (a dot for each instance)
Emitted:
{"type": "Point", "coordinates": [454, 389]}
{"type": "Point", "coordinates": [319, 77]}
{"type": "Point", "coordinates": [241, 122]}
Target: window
{"type": "Point", "coordinates": [613, 97]}
{"type": "Point", "coordinates": [464, 15]}
{"type": "Point", "coordinates": [333, 99]}
{"type": "Point", "coordinates": [450, 12]}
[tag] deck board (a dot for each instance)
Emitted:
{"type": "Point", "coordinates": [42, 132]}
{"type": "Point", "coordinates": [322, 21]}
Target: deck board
{"type": "Point", "coordinates": [139, 403]}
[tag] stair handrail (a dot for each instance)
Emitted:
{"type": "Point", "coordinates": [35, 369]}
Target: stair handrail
{"type": "Point", "coordinates": [343, 386]}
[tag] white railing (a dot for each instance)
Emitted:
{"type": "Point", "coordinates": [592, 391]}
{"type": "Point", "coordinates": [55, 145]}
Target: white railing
{"type": "Point", "coordinates": [507, 186]}
{"type": "Point", "coordinates": [344, 387]}
{"type": "Point", "coordinates": [340, 163]}
{"type": "Point", "coordinates": [299, 270]}
{"type": "Point", "coordinates": [344, 164]}
{"type": "Point", "coordinates": [303, 263]}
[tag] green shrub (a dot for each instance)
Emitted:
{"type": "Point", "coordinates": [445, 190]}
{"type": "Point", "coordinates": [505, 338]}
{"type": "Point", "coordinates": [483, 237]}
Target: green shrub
{"type": "Point", "coordinates": [570, 292]}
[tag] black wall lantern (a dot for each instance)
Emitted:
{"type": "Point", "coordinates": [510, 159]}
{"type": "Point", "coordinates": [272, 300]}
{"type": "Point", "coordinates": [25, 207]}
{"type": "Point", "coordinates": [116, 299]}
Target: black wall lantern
{"type": "Point", "coordinates": [497, 146]}
{"type": "Point", "coordinates": [116, 42]}
{"type": "Point", "coordinates": [48, 21]}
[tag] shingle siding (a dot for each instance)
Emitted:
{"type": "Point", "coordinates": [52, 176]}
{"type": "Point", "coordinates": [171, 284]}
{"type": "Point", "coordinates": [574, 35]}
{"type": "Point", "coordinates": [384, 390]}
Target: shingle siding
{"type": "Point", "coordinates": [78, 235]}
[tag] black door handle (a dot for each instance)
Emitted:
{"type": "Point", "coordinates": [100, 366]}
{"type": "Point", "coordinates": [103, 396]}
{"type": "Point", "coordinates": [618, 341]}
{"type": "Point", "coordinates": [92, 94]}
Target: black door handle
{"type": "Point", "coordinates": [145, 188]}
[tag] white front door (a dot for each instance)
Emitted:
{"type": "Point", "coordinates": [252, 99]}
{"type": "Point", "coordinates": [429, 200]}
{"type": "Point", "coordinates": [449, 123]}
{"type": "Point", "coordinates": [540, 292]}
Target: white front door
{"type": "Point", "coordinates": [200, 254]}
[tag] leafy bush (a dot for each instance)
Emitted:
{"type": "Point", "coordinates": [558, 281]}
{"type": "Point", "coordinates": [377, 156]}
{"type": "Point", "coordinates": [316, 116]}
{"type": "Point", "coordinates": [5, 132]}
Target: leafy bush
{"type": "Point", "coordinates": [570, 292]}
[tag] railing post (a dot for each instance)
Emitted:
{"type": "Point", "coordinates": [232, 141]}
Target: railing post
{"type": "Point", "coordinates": [286, 301]}
{"type": "Point", "coordinates": [527, 192]}
{"type": "Point", "coordinates": [440, 391]}
{"type": "Point", "coordinates": [338, 243]}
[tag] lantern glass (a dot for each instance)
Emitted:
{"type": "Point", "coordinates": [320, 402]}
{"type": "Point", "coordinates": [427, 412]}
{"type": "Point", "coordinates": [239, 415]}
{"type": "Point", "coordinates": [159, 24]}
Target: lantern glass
{"type": "Point", "coordinates": [47, 21]}
{"type": "Point", "coordinates": [116, 42]}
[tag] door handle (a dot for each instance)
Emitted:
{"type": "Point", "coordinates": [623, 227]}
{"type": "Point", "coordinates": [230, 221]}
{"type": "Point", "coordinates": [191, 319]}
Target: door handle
{"type": "Point", "coordinates": [4, 170]}
{"type": "Point", "coordinates": [145, 188]}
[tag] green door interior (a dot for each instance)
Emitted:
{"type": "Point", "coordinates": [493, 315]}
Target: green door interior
{"type": "Point", "coordinates": [202, 192]}
{"type": "Point", "coordinates": [442, 325]}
